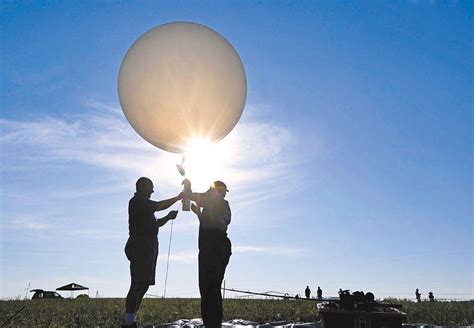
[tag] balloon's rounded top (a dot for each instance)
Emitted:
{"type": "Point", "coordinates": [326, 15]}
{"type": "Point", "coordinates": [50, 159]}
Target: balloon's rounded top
{"type": "Point", "coordinates": [181, 81]}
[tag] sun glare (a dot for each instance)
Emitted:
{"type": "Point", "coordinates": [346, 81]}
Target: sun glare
{"type": "Point", "coordinates": [204, 162]}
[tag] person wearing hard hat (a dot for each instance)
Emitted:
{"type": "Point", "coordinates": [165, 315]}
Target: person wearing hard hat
{"type": "Point", "coordinates": [214, 215]}
{"type": "Point", "coordinates": [142, 245]}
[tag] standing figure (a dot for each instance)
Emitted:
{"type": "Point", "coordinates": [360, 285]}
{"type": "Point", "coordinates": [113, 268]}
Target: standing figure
{"type": "Point", "coordinates": [307, 292]}
{"type": "Point", "coordinates": [418, 296]}
{"type": "Point", "coordinates": [431, 296]}
{"type": "Point", "coordinates": [142, 245]}
{"type": "Point", "coordinates": [214, 247]}
{"type": "Point", "coordinates": [320, 293]}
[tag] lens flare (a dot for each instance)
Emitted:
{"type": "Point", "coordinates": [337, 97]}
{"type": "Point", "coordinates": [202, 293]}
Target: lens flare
{"type": "Point", "coordinates": [204, 163]}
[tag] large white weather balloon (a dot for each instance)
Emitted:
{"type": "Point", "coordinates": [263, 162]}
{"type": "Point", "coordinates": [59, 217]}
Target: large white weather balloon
{"type": "Point", "coordinates": [182, 81]}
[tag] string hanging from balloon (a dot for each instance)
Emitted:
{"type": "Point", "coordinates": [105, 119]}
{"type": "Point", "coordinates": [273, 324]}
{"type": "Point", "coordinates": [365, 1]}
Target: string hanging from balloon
{"type": "Point", "coordinates": [169, 251]}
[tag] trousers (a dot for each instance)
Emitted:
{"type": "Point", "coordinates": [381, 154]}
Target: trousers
{"type": "Point", "coordinates": [213, 259]}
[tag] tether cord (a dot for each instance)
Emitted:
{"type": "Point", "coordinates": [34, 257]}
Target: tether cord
{"type": "Point", "coordinates": [169, 250]}
{"type": "Point", "coordinates": [183, 159]}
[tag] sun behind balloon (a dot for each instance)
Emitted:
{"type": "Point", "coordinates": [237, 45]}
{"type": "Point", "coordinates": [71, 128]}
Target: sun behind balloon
{"type": "Point", "coordinates": [180, 82]}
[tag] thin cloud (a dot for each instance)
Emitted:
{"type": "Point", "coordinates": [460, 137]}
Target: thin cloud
{"type": "Point", "coordinates": [103, 106]}
{"type": "Point", "coordinates": [29, 224]}
{"type": "Point", "coordinates": [190, 256]}
{"type": "Point", "coordinates": [102, 137]}
{"type": "Point", "coordinates": [184, 257]}
{"type": "Point", "coordinates": [46, 81]}
{"type": "Point", "coordinates": [269, 250]}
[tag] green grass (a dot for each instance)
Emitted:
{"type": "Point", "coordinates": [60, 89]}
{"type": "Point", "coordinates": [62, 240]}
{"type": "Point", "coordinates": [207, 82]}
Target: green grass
{"type": "Point", "coordinates": [109, 312]}
{"type": "Point", "coordinates": [439, 313]}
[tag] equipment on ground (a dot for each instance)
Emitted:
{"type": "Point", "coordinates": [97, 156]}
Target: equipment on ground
{"type": "Point", "coordinates": [359, 310]}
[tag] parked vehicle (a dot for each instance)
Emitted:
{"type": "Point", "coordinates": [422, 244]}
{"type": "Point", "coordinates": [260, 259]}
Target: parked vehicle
{"type": "Point", "coordinates": [40, 294]}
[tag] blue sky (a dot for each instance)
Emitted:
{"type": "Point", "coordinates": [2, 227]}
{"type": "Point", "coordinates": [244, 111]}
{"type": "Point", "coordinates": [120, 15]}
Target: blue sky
{"type": "Point", "coordinates": [350, 168]}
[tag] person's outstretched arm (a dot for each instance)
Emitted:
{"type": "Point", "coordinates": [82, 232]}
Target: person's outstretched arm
{"type": "Point", "coordinates": [199, 197]}
{"type": "Point", "coordinates": [164, 204]}
{"type": "Point", "coordinates": [170, 216]}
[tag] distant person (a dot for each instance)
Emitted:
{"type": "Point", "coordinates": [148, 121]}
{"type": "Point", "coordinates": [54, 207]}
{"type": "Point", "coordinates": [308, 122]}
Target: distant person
{"type": "Point", "coordinates": [431, 296]}
{"type": "Point", "coordinates": [142, 245]}
{"type": "Point", "coordinates": [214, 247]}
{"type": "Point", "coordinates": [307, 292]}
{"type": "Point", "coordinates": [340, 292]}
{"type": "Point", "coordinates": [418, 295]}
{"type": "Point", "coordinates": [319, 292]}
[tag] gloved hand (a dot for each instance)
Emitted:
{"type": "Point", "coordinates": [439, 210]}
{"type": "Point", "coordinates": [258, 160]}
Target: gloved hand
{"type": "Point", "coordinates": [187, 184]}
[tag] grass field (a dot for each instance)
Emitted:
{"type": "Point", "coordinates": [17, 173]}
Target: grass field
{"type": "Point", "coordinates": [103, 312]}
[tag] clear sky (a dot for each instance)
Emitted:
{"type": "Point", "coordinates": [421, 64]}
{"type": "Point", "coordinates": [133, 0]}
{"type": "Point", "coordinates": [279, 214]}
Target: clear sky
{"type": "Point", "coordinates": [351, 166]}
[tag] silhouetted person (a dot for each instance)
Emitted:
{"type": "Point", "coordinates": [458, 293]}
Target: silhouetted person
{"type": "Point", "coordinates": [142, 245]}
{"type": "Point", "coordinates": [418, 295]}
{"type": "Point", "coordinates": [307, 292]}
{"type": "Point", "coordinates": [319, 293]}
{"type": "Point", "coordinates": [214, 248]}
{"type": "Point", "coordinates": [431, 296]}
{"type": "Point", "coordinates": [340, 291]}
